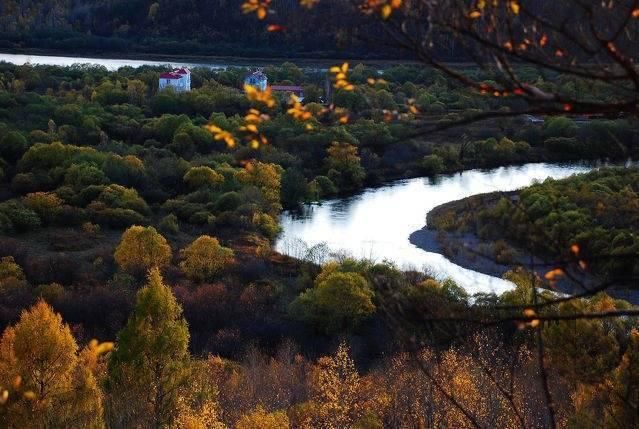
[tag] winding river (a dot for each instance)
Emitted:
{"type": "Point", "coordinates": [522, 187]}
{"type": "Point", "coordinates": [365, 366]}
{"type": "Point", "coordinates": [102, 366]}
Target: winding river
{"type": "Point", "coordinates": [376, 223]}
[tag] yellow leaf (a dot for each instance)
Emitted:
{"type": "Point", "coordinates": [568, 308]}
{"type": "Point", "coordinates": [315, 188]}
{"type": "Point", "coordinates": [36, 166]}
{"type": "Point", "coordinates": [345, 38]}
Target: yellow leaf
{"type": "Point", "coordinates": [386, 11]}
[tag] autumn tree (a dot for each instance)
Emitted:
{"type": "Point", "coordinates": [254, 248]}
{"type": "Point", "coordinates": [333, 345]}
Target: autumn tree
{"type": "Point", "coordinates": [204, 258]}
{"type": "Point", "coordinates": [335, 384]}
{"type": "Point", "coordinates": [261, 419]}
{"type": "Point", "coordinates": [151, 362]}
{"type": "Point", "coordinates": [11, 274]}
{"type": "Point", "coordinates": [39, 358]}
{"type": "Point", "coordinates": [142, 248]}
{"type": "Point", "coordinates": [267, 178]}
{"type": "Point", "coordinates": [344, 166]}
{"type": "Point", "coordinates": [203, 176]}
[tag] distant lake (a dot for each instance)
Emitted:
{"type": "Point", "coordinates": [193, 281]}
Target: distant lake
{"type": "Point", "coordinates": [376, 223]}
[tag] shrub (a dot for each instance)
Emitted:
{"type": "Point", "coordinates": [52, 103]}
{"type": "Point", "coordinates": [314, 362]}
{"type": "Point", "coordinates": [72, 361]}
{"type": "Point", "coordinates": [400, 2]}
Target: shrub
{"type": "Point", "coordinates": [203, 176]}
{"type": "Point", "coordinates": [45, 204]}
{"type": "Point", "coordinates": [432, 164]}
{"type": "Point", "coordinates": [22, 218]}
{"type": "Point", "coordinates": [228, 202]}
{"type": "Point", "coordinates": [204, 258]}
{"type": "Point", "coordinates": [13, 146]}
{"type": "Point", "coordinates": [169, 224]}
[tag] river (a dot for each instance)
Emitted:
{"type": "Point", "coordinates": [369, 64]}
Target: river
{"type": "Point", "coordinates": [108, 63]}
{"type": "Point", "coordinates": [376, 223]}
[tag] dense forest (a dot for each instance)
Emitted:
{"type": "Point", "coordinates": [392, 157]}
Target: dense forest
{"type": "Point", "coordinates": [203, 27]}
{"type": "Point", "coordinates": [182, 27]}
{"type": "Point", "coordinates": [136, 247]}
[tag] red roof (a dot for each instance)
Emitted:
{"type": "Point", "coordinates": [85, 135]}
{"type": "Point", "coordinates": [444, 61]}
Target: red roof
{"type": "Point", "coordinates": [181, 71]}
{"type": "Point", "coordinates": [290, 88]}
{"type": "Point", "coordinates": [170, 76]}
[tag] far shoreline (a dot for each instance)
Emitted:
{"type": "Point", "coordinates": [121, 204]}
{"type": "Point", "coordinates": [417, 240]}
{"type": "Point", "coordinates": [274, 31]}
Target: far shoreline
{"type": "Point", "coordinates": [234, 61]}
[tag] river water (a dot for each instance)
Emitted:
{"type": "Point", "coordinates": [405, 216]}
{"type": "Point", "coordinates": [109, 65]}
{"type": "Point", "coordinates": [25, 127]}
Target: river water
{"type": "Point", "coordinates": [376, 223]}
{"type": "Point", "coordinates": [110, 64]}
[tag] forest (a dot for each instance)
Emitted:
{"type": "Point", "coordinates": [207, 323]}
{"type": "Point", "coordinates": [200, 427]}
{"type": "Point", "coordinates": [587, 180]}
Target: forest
{"type": "Point", "coordinates": [588, 217]}
{"type": "Point", "coordinates": [139, 284]}
{"type": "Point", "coordinates": [126, 220]}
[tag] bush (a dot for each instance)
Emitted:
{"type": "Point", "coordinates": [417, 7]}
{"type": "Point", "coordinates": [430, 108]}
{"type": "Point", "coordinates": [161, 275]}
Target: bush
{"type": "Point", "coordinates": [203, 176]}
{"type": "Point", "coordinates": [228, 202]}
{"type": "Point", "coordinates": [169, 224]}
{"type": "Point", "coordinates": [203, 259]}
{"type": "Point", "coordinates": [338, 302]}
{"type": "Point", "coordinates": [22, 218]}
{"type": "Point", "coordinates": [432, 164]}
{"type": "Point", "coordinates": [13, 146]}
{"type": "Point", "coordinates": [45, 204]}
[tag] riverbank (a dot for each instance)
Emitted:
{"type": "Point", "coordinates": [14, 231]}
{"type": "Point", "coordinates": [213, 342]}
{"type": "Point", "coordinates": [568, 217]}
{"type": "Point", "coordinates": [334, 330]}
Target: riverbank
{"type": "Point", "coordinates": [201, 60]}
{"type": "Point", "coordinates": [447, 232]}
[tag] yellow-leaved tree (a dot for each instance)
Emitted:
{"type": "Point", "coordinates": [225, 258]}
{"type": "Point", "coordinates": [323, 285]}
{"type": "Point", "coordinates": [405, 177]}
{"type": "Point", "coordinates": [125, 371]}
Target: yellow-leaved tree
{"type": "Point", "coordinates": [335, 384]}
{"type": "Point", "coordinates": [142, 248]}
{"type": "Point", "coordinates": [262, 419]}
{"type": "Point", "coordinates": [52, 385]}
{"type": "Point", "coordinates": [204, 258]}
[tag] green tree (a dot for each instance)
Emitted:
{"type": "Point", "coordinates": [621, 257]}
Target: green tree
{"type": "Point", "coordinates": [151, 362]}
{"type": "Point", "coordinates": [203, 176]}
{"type": "Point", "coordinates": [337, 302]}
{"type": "Point", "coordinates": [13, 146]}
{"type": "Point", "coordinates": [344, 166]}
{"type": "Point", "coordinates": [142, 248]}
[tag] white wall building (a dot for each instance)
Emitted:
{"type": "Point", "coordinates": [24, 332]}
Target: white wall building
{"type": "Point", "coordinates": [178, 79]}
{"type": "Point", "coordinates": [257, 80]}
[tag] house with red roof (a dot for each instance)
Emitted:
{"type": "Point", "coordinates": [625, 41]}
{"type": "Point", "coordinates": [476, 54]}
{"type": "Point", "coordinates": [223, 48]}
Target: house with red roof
{"type": "Point", "coordinates": [178, 79]}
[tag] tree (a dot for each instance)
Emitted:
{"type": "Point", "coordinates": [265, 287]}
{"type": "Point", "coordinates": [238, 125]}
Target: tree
{"type": "Point", "coordinates": [261, 419]}
{"type": "Point", "coordinates": [335, 387]}
{"type": "Point", "coordinates": [151, 362]}
{"type": "Point", "coordinates": [13, 146]}
{"type": "Point", "coordinates": [266, 177]}
{"type": "Point", "coordinates": [39, 356]}
{"type": "Point", "coordinates": [204, 258]}
{"type": "Point", "coordinates": [11, 274]}
{"type": "Point", "coordinates": [203, 176]}
{"type": "Point", "coordinates": [339, 301]}
{"type": "Point", "coordinates": [142, 248]}
{"type": "Point", "coordinates": [344, 166]}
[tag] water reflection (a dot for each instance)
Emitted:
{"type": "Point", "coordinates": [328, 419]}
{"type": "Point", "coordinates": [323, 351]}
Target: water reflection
{"type": "Point", "coordinates": [376, 223]}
